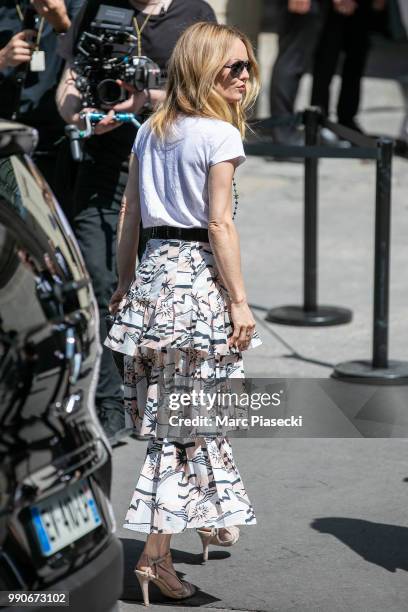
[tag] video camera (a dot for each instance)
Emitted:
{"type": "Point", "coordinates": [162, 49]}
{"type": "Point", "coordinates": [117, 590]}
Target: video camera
{"type": "Point", "coordinates": [105, 53]}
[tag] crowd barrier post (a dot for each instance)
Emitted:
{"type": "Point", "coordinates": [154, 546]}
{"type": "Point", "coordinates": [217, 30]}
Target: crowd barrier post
{"type": "Point", "coordinates": [310, 314]}
{"type": "Point", "coordinates": [380, 370]}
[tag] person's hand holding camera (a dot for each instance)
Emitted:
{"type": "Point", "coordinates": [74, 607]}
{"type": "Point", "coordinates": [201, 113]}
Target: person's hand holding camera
{"type": "Point", "coordinates": [138, 99]}
{"type": "Point", "coordinates": [18, 50]}
{"type": "Point", "coordinates": [133, 104]}
{"type": "Point", "coordinates": [107, 124]}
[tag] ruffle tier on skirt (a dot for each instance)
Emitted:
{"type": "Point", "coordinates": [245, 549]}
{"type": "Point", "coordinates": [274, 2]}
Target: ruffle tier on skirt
{"type": "Point", "coordinates": [176, 300]}
{"type": "Point", "coordinates": [173, 326]}
{"type": "Point", "coordinates": [188, 485]}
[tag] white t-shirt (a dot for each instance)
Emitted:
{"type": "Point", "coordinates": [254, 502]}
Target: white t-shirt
{"type": "Point", "coordinates": [173, 174]}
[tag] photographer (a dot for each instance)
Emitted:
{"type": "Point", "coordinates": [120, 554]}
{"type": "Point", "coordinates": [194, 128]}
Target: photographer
{"type": "Point", "coordinates": [29, 54]}
{"type": "Point", "coordinates": [102, 175]}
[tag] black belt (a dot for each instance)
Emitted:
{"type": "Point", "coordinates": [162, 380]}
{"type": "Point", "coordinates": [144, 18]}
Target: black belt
{"type": "Point", "coordinates": [178, 233]}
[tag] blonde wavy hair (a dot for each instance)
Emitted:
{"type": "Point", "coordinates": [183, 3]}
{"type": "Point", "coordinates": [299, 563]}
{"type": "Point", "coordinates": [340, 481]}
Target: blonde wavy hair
{"type": "Point", "coordinates": [196, 61]}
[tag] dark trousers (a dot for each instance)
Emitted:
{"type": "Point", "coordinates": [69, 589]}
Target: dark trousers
{"type": "Point", "coordinates": [95, 219]}
{"type": "Point", "coordinates": [351, 35]}
{"type": "Point", "coordinates": [59, 170]}
{"type": "Point", "coordinates": [95, 230]}
{"type": "Point", "coordinates": [298, 36]}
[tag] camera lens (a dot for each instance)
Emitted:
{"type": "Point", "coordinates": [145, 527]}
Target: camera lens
{"type": "Point", "coordinates": [109, 92]}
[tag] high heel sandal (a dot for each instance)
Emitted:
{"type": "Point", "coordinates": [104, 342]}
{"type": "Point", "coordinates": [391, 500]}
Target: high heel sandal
{"type": "Point", "coordinates": [144, 576]}
{"type": "Point", "coordinates": [212, 537]}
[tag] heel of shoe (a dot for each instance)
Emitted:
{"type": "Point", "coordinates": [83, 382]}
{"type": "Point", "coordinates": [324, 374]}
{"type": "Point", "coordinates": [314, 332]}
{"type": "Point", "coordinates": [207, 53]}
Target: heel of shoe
{"type": "Point", "coordinates": [144, 580]}
{"type": "Point", "coordinates": [205, 536]}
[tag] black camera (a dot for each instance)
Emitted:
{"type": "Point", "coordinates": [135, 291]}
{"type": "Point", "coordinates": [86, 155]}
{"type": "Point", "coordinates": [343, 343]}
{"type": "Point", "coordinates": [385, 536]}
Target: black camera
{"type": "Point", "coordinates": [105, 53]}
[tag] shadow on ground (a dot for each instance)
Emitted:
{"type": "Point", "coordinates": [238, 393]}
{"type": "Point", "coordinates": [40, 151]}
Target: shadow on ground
{"type": "Point", "coordinates": [378, 543]}
{"type": "Point", "coordinates": [132, 549]}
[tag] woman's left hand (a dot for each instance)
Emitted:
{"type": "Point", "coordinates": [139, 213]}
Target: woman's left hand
{"type": "Point", "coordinates": [116, 299]}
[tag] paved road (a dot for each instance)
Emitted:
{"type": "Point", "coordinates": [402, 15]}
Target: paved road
{"type": "Point", "coordinates": [332, 532]}
{"type": "Point", "coordinates": [331, 535]}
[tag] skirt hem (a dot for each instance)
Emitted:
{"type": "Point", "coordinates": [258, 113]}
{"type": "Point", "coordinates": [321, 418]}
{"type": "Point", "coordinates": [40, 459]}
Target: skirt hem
{"type": "Point", "coordinates": [222, 525]}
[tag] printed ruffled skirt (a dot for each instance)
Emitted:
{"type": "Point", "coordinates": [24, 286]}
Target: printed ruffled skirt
{"type": "Point", "coordinates": [173, 326]}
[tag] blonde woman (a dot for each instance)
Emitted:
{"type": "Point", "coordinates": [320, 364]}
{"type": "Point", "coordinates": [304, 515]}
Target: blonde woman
{"type": "Point", "coordinates": [182, 320]}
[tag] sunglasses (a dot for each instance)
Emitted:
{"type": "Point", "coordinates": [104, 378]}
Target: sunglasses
{"type": "Point", "coordinates": [237, 68]}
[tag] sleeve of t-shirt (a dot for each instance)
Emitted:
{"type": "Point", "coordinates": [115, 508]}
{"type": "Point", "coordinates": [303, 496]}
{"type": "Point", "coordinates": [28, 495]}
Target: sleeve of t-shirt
{"type": "Point", "coordinates": [227, 144]}
{"type": "Point", "coordinates": [136, 144]}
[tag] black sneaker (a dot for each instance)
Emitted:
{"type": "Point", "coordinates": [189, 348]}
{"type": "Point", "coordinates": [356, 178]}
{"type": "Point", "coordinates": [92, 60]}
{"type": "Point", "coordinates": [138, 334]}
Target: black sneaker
{"type": "Point", "coordinates": [112, 420]}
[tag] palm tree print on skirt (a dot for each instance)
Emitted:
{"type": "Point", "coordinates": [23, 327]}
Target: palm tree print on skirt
{"type": "Point", "coordinates": [176, 300]}
{"type": "Point", "coordinates": [173, 326]}
{"type": "Point", "coordinates": [188, 485]}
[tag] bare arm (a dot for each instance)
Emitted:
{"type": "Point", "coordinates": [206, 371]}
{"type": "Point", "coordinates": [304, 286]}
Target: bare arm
{"type": "Point", "coordinates": [224, 242]}
{"type": "Point", "coordinates": [222, 231]}
{"type": "Point", "coordinates": [127, 234]}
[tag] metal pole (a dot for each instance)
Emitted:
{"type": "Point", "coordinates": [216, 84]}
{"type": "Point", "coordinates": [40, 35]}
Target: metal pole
{"type": "Point", "coordinates": [382, 254]}
{"type": "Point", "coordinates": [311, 120]}
{"type": "Point", "coordinates": [310, 313]}
{"type": "Point", "coordinates": [379, 370]}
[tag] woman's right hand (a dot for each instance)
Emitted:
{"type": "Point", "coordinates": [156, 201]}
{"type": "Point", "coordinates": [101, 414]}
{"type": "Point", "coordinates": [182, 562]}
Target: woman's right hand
{"type": "Point", "coordinates": [243, 324]}
{"type": "Point", "coordinates": [116, 299]}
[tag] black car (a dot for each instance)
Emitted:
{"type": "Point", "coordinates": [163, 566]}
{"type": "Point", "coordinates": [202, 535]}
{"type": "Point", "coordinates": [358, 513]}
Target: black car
{"type": "Point", "coordinates": [56, 520]}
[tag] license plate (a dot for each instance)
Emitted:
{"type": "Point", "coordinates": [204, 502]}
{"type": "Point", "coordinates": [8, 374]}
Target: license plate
{"type": "Point", "coordinates": [64, 518]}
